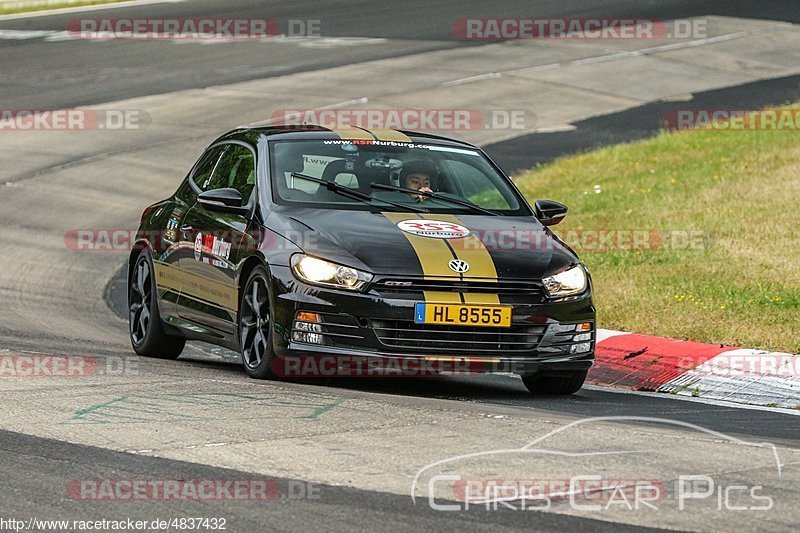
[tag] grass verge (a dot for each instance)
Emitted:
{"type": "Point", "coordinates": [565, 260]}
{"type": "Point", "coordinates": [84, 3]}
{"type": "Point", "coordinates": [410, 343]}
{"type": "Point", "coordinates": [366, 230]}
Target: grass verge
{"type": "Point", "coordinates": [28, 7]}
{"type": "Point", "coordinates": [720, 209]}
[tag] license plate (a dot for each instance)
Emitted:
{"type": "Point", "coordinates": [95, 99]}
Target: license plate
{"type": "Point", "coordinates": [490, 316]}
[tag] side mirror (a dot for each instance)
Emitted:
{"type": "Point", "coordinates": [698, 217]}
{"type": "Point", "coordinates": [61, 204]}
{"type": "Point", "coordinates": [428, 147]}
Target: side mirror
{"type": "Point", "coordinates": [226, 200]}
{"type": "Point", "coordinates": [549, 212]}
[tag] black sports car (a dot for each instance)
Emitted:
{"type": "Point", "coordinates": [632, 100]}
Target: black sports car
{"type": "Point", "coordinates": [402, 249]}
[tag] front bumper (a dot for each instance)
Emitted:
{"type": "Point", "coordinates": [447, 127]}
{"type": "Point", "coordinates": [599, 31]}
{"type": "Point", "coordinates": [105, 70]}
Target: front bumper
{"type": "Point", "coordinates": [375, 330]}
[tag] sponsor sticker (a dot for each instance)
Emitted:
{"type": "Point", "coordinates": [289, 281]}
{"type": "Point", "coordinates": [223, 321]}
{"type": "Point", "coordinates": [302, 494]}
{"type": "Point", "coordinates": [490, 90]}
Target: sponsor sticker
{"type": "Point", "coordinates": [436, 229]}
{"type": "Point", "coordinates": [173, 223]}
{"type": "Point", "coordinates": [219, 247]}
{"type": "Point", "coordinates": [211, 245]}
{"type": "Point", "coordinates": [198, 247]}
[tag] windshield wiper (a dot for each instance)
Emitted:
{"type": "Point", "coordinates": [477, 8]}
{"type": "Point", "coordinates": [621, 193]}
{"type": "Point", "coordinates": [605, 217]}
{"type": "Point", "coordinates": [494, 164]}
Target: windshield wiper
{"type": "Point", "coordinates": [468, 205]}
{"type": "Point", "coordinates": [358, 195]}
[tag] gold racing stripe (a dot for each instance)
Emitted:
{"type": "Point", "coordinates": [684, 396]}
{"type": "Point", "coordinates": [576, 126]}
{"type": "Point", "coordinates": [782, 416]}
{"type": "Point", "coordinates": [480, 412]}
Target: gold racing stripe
{"type": "Point", "coordinates": [167, 276]}
{"type": "Point", "coordinates": [349, 133]}
{"type": "Point", "coordinates": [433, 255]}
{"type": "Point", "coordinates": [481, 264]}
{"type": "Point", "coordinates": [442, 297]}
{"type": "Point", "coordinates": [390, 135]}
{"type": "Point", "coordinates": [356, 133]}
{"type": "Point", "coordinates": [212, 291]}
{"type": "Point", "coordinates": [481, 298]}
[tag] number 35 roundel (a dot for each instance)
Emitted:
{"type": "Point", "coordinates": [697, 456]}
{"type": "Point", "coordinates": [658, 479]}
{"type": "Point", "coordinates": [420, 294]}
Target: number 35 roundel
{"type": "Point", "coordinates": [436, 229]}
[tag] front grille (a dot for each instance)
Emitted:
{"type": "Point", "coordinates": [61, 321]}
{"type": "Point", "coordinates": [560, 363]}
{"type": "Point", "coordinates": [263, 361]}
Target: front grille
{"type": "Point", "coordinates": [501, 287]}
{"type": "Point", "coordinates": [456, 339]}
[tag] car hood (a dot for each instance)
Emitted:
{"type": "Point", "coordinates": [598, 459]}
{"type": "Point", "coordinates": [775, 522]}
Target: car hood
{"type": "Point", "coordinates": [497, 246]}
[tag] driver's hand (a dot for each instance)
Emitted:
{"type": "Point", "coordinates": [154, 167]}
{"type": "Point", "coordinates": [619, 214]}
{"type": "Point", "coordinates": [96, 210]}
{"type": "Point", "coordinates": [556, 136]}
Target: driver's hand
{"type": "Point", "coordinates": [421, 198]}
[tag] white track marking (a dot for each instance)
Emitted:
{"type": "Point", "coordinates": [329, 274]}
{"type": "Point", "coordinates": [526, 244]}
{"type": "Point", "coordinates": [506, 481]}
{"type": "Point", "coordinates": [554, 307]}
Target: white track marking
{"type": "Point", "coordinates": [667, 396]}
{"type": "Point", "coordinates": [79, 9]}
{"type": "Point", "coordinates": [610, 57]}
{"type": "Point", "coordinates": [603, 334]}
{"type": "Point", "coordinates": [709, 401]}
{"type": "Point", "coordinates": [301, 42]}
{"type": "Point", "coordinates": [338, 105]}
{"type": "Point", "coordinates": [469, 79]}
{"type": "Point", "coordinates": [743, 375]}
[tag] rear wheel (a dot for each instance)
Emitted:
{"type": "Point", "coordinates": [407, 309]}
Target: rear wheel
{"type": "Point", "coordinates": [146, 331]}
{"type": "Point", "coordinates": [255, 327]}
{"type": "Point", "coordinates": [562, 383]}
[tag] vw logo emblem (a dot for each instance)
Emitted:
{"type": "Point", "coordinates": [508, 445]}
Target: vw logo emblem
{"type": "Point", "coordinates": [457, 265]}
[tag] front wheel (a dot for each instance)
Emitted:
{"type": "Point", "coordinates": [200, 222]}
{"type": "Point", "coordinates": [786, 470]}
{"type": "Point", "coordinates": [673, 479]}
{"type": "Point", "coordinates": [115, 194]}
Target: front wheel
{"type": "Point", "coordinates": [255, 327]}
{"type": "Point", "coordinates": [146, 331]}
{"type": "Point", "coordinates": [562, 383]}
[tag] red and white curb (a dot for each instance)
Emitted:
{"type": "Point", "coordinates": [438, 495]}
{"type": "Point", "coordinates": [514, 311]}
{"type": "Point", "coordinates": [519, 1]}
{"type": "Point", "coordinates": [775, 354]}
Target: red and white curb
{"type": "Point", "coordinates": [711, 371]}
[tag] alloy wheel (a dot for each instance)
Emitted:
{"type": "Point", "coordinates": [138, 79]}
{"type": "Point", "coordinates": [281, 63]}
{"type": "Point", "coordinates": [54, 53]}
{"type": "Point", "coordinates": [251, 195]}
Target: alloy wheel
{"type": "Point", "coordinates": [255, 323]}
{"type": "Point", "coordinates": [140, 299]}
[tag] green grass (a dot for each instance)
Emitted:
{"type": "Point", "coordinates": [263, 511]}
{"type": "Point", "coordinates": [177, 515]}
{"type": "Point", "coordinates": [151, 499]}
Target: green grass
{"type": "Point", "coordinates": [58, 5]}
{"type": "Point", "coordinates": [736, 193]}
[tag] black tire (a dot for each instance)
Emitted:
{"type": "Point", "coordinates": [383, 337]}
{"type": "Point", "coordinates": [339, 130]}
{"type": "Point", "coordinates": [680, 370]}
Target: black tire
{"type": "Point", "coordinates": [255, 327]}
{"type": "Point", "coordinates": [563, 383]}
{"type": "Point", "coordinates": [144, 321]}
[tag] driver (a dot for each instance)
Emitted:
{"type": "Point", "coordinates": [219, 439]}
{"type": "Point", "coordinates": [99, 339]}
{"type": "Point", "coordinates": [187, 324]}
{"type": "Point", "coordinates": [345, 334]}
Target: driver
{"type": "Point", "coordinates": [417, 175]}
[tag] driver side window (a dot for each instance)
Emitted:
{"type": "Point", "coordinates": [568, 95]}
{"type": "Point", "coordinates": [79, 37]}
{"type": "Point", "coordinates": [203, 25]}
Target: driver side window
{"type": "Point", "coordinates": [236, 169]}
{"type": "Point", "coordinates": [476, 186]}
{"type": "Point", "coordinates": [206, 166]}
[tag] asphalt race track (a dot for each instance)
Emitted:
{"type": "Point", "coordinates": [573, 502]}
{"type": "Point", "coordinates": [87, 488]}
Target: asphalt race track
{"type": "Point", "coordinates": [343, 453]}
{"type": "Point", "coordinates": [80, 73]}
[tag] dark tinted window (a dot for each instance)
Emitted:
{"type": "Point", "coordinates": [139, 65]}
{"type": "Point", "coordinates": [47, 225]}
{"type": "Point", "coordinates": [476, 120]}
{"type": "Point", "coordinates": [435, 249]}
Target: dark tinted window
{"type": "Point", "coordinates": [476, 186]}
{"type": "Point", "coordinates": [461, 174]}
{"type": "Point", "coordinates": [205, 167]}
{"type": "Point", "coordinates": [235, 169]}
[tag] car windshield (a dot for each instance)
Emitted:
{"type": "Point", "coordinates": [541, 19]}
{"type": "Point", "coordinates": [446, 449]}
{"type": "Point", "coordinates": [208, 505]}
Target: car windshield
{"type": "Point", "coordinates": [454, 176]}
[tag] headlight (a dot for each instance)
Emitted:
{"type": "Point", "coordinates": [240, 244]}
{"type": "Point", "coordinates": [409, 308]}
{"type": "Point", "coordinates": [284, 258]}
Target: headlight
{"type": "Point", "coordinates": [321, 272]}
{"type": "Point", "coordinates": [567, 283]}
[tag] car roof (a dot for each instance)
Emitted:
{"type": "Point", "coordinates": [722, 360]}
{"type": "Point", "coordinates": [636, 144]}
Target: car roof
{"type": "Point", "coordinates": [274, 132]}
